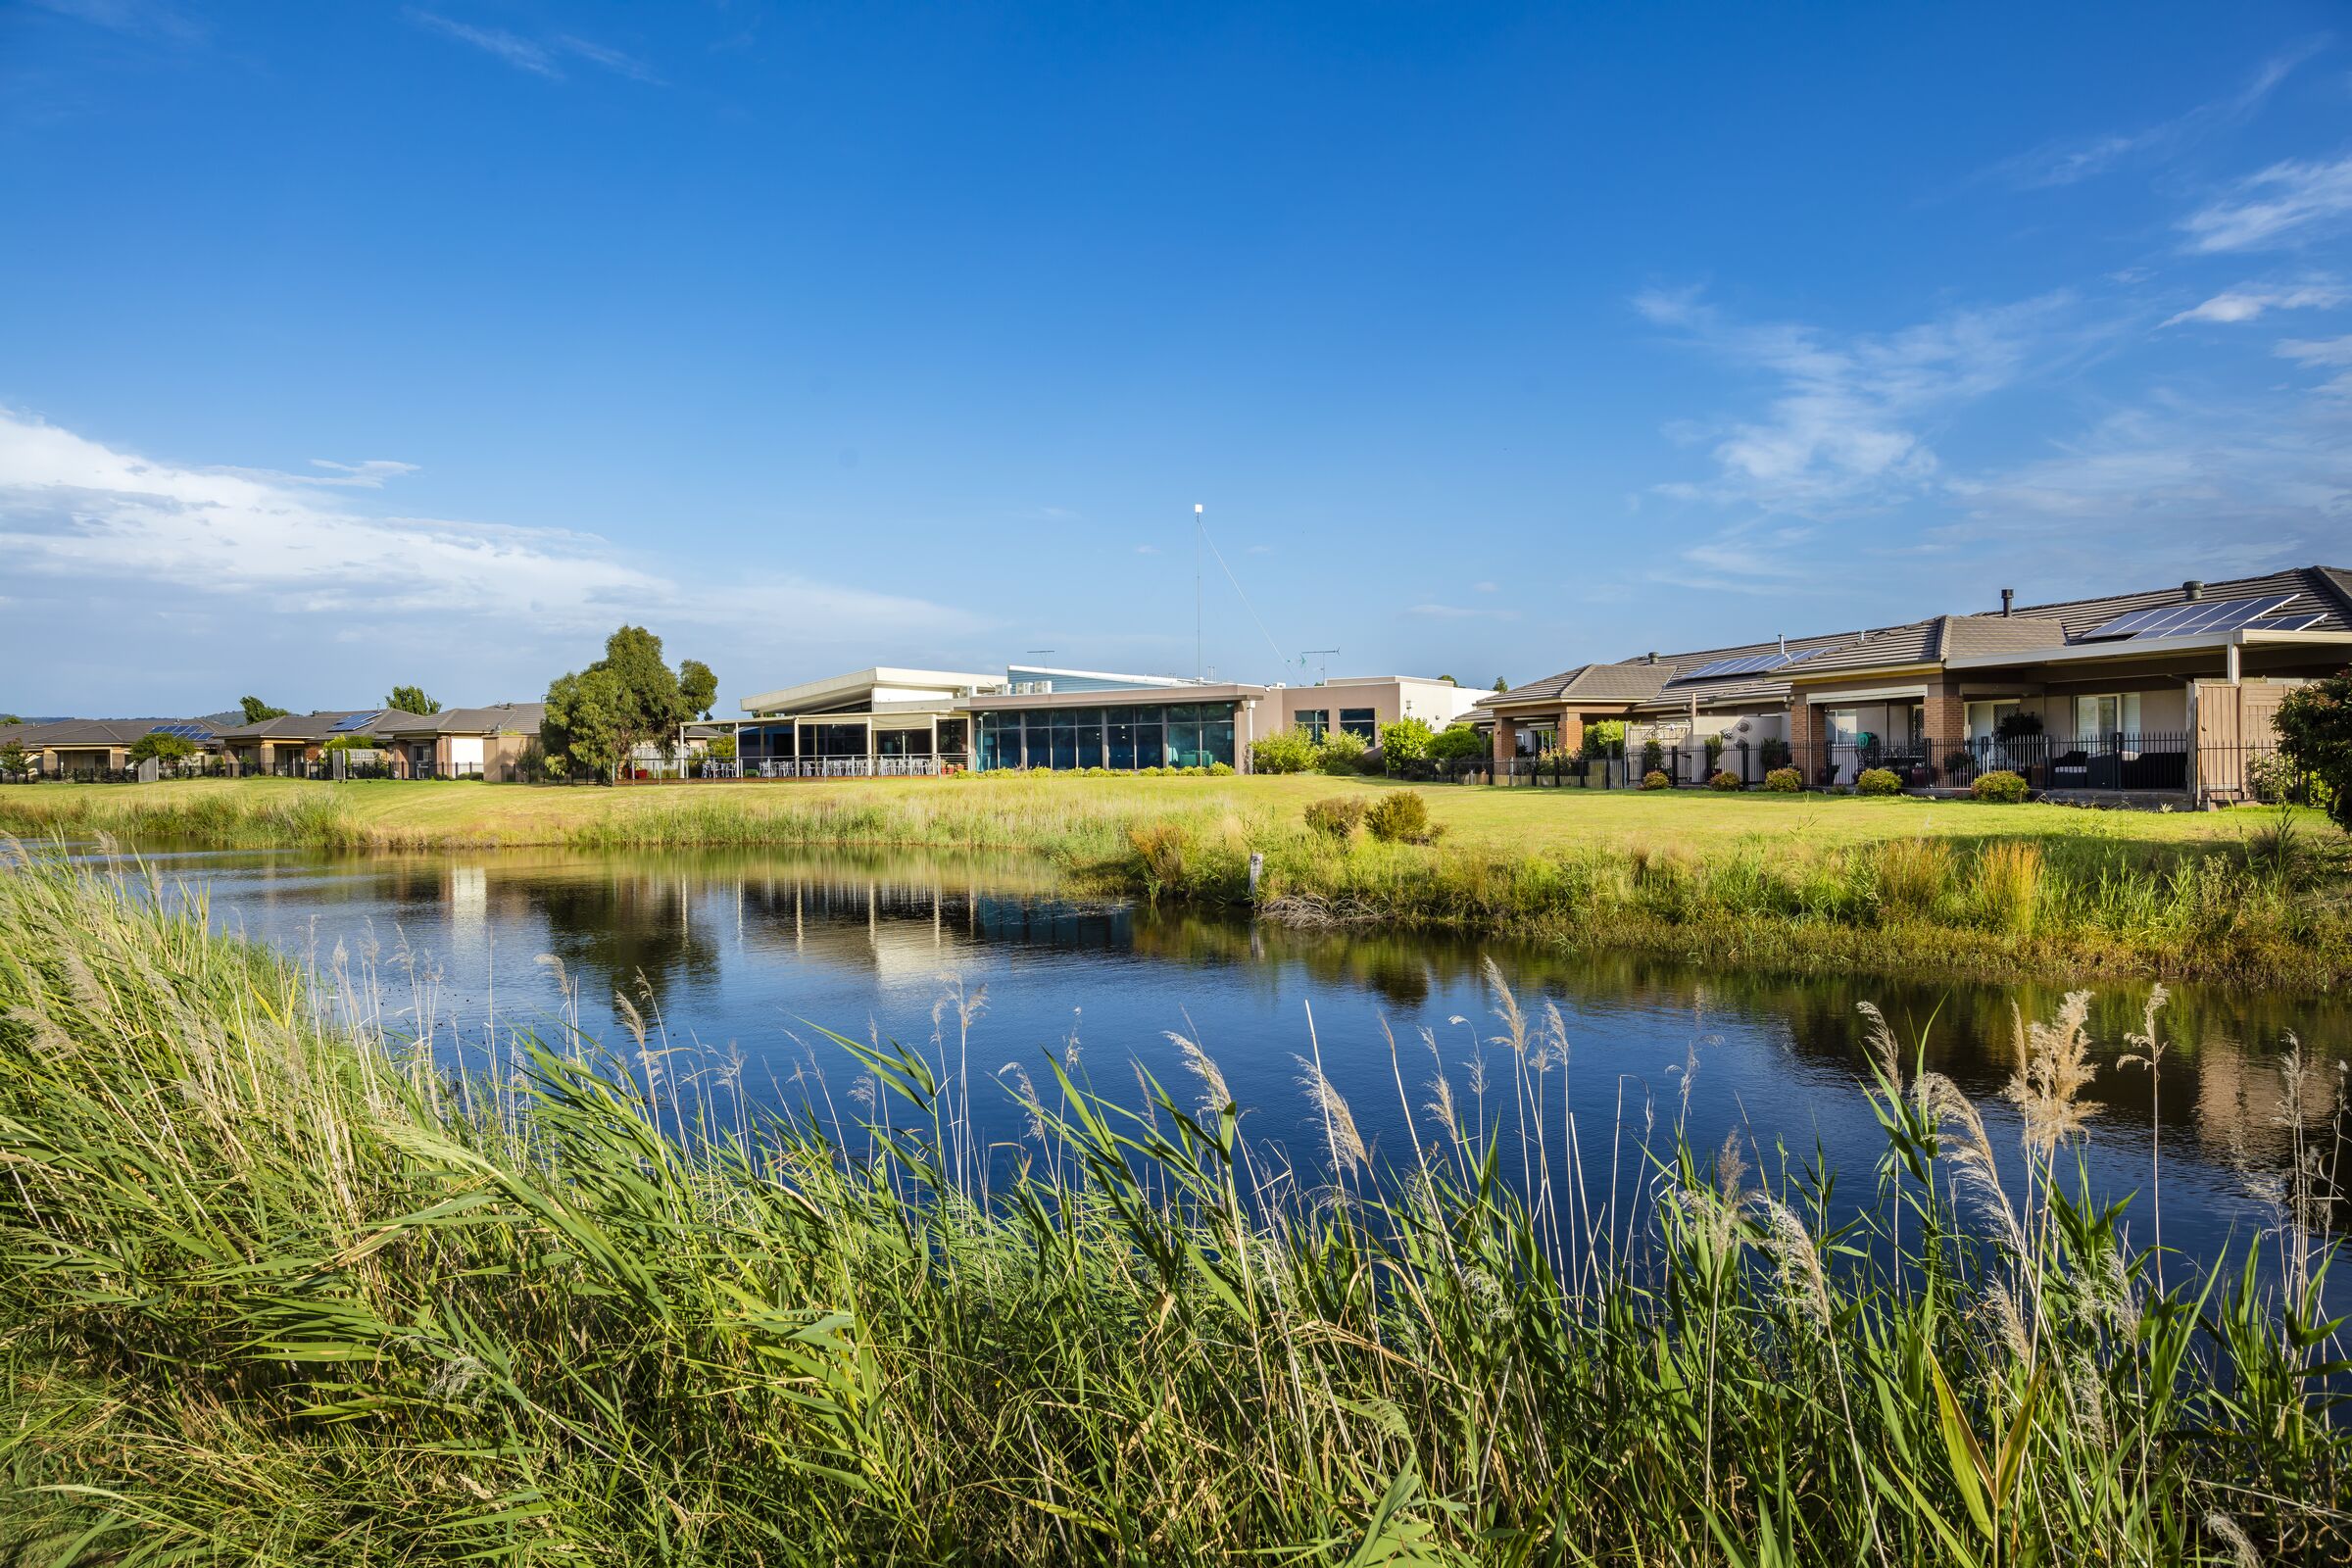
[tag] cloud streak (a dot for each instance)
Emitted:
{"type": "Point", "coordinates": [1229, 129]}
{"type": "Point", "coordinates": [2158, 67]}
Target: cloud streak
{"type": "Point", "coordinates": [2285, 203]}
{"type": "Point", "coordinates": [2248, 301]}
{"type": "Point", "coordinates": [540, 58]}
{"type": "Point", "coordinates": [2061, 162]}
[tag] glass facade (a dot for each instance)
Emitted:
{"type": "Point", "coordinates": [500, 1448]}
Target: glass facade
{"type": "Point", "coordinates": [1358, 721]}
{"type": "Point", "coordinates": [1313, 721]}
{"type": "Point", "coordinates": [1176, 735]}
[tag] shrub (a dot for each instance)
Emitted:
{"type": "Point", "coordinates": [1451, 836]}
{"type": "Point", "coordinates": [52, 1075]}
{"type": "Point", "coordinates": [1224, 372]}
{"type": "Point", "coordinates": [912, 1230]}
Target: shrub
{"type": "Point", "coordinates": [1342, 752]}
{"type": "Point", "coordinates": [2019, 725]}
{"type": "Point", "coordinates": [1878, 782]}
{"type": "Point", "coordinates": [1774, 752]}
{"type": "Point", "coordinates": [1336, 818]}
{"type": "Point", "coordinates": [2000, 785]}
{"type": "Point", "coordinates": [1402, 816]}
{"type": "Point", "coordinates": [1725, 779]}
{"type": "Point", "coordinates": [1785, 780]}
{"type": "Point", "coordinates": [1656, 780]}
{"type": "Point", "coordinates": [1653, 756]}
{"type": "Point", "coordinates": [1161, 847]}
{"type": "Point", "coordinates": [2008, 883]}
{"type": "Point", "coordinates": [1220, 770]}
{"type": "Point", "coordinates": [2314, 736]}
{"type": "Point", "coordinates": [1290, 751]}
{"type": "Point", "coordinates": [1457, 743]}
{"type": "Point", "coordinates": [1606, 738]}
{"type": "Point", "coordinates": [1408, 740]}
{"type": "Point", "coordinates": [1714, 748]}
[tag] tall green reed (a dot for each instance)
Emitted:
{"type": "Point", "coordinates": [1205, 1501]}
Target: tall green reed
{"type": "Point", "coordinates": [277, 1286]}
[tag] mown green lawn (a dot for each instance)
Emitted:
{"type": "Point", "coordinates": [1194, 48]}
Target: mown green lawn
{"type": "Point", "coordinates": [1518, 821]}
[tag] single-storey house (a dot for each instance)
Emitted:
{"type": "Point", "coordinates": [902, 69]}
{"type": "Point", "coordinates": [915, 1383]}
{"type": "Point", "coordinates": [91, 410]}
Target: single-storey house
{"type": "Point", "coordinates": [490, 743]}
{"type": "Point", "coordinates": [295, 744]}
{"type": "Point", "coordinates": [2165, 692]}
{"type": "Point", "coordinates": [90, 748]}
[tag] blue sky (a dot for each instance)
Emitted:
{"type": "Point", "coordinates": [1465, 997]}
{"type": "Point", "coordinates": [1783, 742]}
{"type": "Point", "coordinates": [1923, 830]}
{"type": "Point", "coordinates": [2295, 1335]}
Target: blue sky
{"type": "Point", "coordinates": [344, 345]}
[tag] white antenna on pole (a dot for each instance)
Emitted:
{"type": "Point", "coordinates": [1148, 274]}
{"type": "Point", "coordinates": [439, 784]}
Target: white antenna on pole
{"type": "Point", "coordinates": [1200, 547]}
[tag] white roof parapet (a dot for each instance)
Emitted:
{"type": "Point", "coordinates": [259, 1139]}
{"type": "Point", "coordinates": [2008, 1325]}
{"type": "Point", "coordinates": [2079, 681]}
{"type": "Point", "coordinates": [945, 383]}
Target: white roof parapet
{"type": "Point", "coordinates": [836, 688]}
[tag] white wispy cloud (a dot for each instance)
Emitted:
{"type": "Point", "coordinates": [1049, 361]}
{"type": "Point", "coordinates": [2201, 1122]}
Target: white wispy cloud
{"type": "Point", "coordinates": [2229, 487]}
{"type": "Point", "coordinates": [2284, 203]}
{"type": "Point", "coordinates": [1485, 588]}
{"type": "Point", "coordinates": [2317, 350]}
{"type": "Point", "coordinates": [1147, 549]}
{"type": "Point", "coordinates": [2067, 162]}
{"type": "Point", "coordinates": [2249, 301]}
{"type": "Point", "coordinates": [539, 57]}
{"type": "Point", "coordinates": [75, 512]}
{"type": "Point", "coordinates": [1840, 429]}
{"type": "Point", "coordinates": [138, 18]}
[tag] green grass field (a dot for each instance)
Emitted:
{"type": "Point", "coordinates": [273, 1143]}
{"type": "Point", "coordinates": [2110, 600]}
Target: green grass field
{"type": "Point", "coordinates": [1496, 821]}
{"type": "Point", "coordinates": [1802, 882]}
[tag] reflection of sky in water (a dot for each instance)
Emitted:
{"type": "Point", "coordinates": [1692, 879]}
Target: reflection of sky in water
{"type": "Point", "coordinates": [746, 951]}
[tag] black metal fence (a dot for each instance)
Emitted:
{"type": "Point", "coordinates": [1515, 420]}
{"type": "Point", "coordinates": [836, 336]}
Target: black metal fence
{"type": "Point", "coordinates": [2119, 762]}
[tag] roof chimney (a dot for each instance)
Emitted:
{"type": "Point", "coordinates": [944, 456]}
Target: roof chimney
{"type": "Point", "coordinates": [2008, 599]}
{"type": "Point", "coordinates": [1652, 658]}
{"type": "Point", "coordinates": [2193, 589]}
{"type": "Point", "coordinates": [1783, 644]}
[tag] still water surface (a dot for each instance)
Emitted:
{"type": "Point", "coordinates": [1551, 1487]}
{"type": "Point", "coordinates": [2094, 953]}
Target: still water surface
{"type": "Point", "coordinates": [743, 952]}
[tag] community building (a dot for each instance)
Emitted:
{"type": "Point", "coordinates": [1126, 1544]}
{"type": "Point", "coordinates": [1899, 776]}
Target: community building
{"type": "Point", "coordinates": [2164, 692]}
{"type": "Point", "coordinates": [890, 722]}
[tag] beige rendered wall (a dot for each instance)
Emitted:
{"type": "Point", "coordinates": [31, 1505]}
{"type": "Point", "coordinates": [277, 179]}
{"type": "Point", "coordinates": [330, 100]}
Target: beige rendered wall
{"type": "Point", "coordinates": [1391, 697]}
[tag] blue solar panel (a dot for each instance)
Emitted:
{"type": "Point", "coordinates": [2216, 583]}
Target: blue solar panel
{"type": "Point", "coordinates": [1747, 665]}
{"type": "Point", "coordinates": [186, 732]}
{"type": "Point", "coordinates": [354, 722]}
{"type": "Point", "coordinates": [2302, 622]}
{"type": "Point", "coordinates": [2192, 617]}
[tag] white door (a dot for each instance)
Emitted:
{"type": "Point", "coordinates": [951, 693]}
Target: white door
{"type": "Point", "coordinates": [466, 754]}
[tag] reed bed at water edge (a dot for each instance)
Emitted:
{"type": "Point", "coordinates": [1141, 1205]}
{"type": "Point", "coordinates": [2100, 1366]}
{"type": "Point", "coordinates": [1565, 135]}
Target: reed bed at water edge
{"type": "Point", "coordinates": [2268, 905]}
{"type": "Point", "coordinates": [276, 1287]}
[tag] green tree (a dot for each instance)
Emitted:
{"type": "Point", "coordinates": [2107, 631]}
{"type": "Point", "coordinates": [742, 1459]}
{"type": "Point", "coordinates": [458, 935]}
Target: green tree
{"type": "Point", "coordinates": [256, 710]}
{"type": "Point", "coordinates": [161, 746]}
{"type": "Point", "coordinates": [1501, 685]}
{"type": "Point", "coordinates": [353, 742]}
{"type": "Point", "coordinates": [655, 700]}
{"type": "Point", "coordinates": [587, 721]}
{"type": "Point", "coordinates": [722, 748]}
{"type": "Point", "coordinates": [1341, 751]}
{"type": "Point", "coordinates": [1450, 681]}
{"type": "Point", "coordinates": [1408, 740]}
{"type": "Point", "coordinates": [14, 758]}
{"type": "Point", "coordinates": [9, 718]}
{"type": "Point", "coordinates": [411, 700]}
{"type": "Point", "coordinates": [2315, 734]}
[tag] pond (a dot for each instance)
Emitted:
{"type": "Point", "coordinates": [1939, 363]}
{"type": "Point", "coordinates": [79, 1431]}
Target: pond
{"type": "Point", "coordinates": [745, 955]}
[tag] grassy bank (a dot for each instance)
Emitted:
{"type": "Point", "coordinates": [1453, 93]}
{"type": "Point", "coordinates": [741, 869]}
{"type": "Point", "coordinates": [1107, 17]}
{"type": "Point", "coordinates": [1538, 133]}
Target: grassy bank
{"type": "Point", "coordinates": [273, 1290]}
{"type": "Point", "coordinates": [1793, 882]}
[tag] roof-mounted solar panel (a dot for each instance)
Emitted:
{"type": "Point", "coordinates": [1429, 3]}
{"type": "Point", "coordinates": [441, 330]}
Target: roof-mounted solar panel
{"type": "Point", "coordinates": [2189, 618]}
{"type": "Point", "coordinates": [186, 732]}
{"type": "Point", "coordinates": [355, 721]}
{"type": "Point", "coordinates": [2300, 622]}
{"type": "Point", "coordinates": [1747, 665]}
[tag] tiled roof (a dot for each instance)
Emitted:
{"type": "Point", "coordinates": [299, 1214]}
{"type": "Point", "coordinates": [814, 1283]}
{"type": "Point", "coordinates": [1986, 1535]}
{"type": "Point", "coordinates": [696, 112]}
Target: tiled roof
{"type": "Point", "coordinates": [2325, 591]}
{"type": "Point", "coordinates": [518, 717]}
{"type": "Point", "coordinates": [85, 731]}
{"type": "Point", "coordinates": [316, 726]}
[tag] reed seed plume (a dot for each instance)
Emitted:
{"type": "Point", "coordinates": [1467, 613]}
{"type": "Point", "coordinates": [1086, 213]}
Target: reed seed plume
{"type": "Point", "coordinates": [1343, 1143]}
{"type": "Point", "coordinates": [1214, 1096]}
{"type": "Point", "coordinates": [2056, 1069]}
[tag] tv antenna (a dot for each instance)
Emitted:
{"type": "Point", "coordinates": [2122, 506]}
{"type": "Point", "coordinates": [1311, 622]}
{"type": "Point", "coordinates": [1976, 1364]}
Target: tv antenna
{"type": "Point", "coordinates": [1200, 559]}
{"type": "Point", "coordinates": [1324, 655]}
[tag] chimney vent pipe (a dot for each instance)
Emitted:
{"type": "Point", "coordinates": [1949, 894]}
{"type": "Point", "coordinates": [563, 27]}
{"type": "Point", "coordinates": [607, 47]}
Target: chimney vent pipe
{"type": "Point", "coordinates": [2193, 589]}
{"type": "Point", "coordinates": [1654, 656]}
{"type": "Point", "coordinates": [2008, 599]}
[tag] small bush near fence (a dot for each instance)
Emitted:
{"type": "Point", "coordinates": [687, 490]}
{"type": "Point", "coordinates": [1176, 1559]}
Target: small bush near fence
{"type": "Point", "coordinates": [1655, 780]}
{"type": "Point", "coordinates": [2000, 785]}
{"type": "Point", "coordinates": [1338, 817]}
{"type": "Point", "coordinates": [1785, 780]}
{"type": "Point", "coordinates": [1725, 780]}
{"type": "Point", "coordinates": [1878, 782]}
{"type": "Point", "coordinates": [1402, 817]}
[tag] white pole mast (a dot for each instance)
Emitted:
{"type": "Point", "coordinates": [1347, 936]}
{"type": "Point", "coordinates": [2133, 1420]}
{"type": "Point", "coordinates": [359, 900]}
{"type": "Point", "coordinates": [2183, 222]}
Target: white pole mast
{"type": "Point", "coordinates": [1200, 546]}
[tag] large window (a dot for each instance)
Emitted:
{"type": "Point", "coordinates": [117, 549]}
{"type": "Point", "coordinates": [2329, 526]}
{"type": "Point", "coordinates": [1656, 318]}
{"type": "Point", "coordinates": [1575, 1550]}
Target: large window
{"type": "Point", "coordinates": [1358, 721]}
{"type": "Point", "coordinates": [1188, 735]}
{"type": "Point", "coordinates": [1313, 721]}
